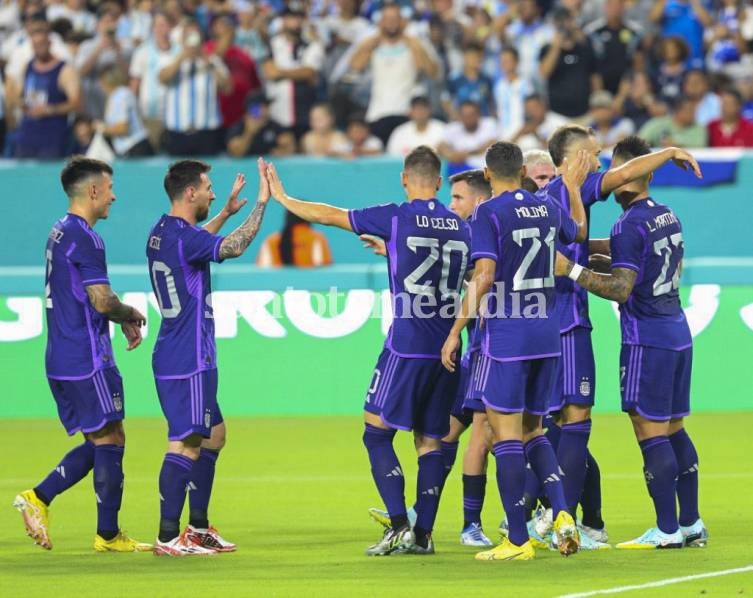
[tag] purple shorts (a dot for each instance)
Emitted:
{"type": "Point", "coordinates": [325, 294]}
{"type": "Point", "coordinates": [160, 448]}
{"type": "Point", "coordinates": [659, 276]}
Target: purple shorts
{"type": "Point", "coordinates": [655, 383]}
{"type": "Point", "coordinates": [473, 401]}
{"type": "Point", "coordinates": [576, 371]}
{"type": "Point", "coordinates": [412, 394]}
{"type": "Point", "coordinates": [459, 412]}
{"type": "Point", "coordinates": [87, 405]}
{"type": "Point", "coordinates": [517, 386]}
{"type": "Point", "coordinates": [190, 404]}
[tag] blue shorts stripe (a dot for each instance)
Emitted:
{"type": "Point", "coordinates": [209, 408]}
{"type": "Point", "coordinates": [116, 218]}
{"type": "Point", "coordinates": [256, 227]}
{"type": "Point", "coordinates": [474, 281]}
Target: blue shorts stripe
{"type": "Point", "coordinates": [389, 374]}
{"type": "Point", "coordinates": [200, 406]}
{"type": "Point", "coordinates": [105, 401]}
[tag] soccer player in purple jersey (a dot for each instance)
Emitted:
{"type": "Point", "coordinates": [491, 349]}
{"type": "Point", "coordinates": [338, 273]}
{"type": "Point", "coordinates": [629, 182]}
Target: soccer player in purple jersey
{"type": "Point", "coordinates": [647, 248]}
{"type": "Point", "coordinates": [80, 364]}
{"type": "Point", "coordinates": [574, 397]}
{"type": "Point", "coordinates": [513, 281]}
{"type": "Point", "coordinates": [427, 252]}
{"type": "Point", "coordinates": [469, 189]}
{"type": "Point", "coordinates": [184, 361]}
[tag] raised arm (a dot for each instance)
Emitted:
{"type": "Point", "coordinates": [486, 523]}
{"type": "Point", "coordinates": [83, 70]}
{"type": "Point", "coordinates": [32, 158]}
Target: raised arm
{"type": "Point", "coordinates": [360, 59]}
{"type": "Point", "coordinates": [643, 165]}
{"type": "Point", "coordinates": [319, 213]}
{"type": "Point", "coordinates": [233, 206]}
{"type": "Point", "coordinates": [616, 286]}
{"type": "Point", "coordinates": [238, 241]}
{"type": "Point", "coordinates": [479, 286]}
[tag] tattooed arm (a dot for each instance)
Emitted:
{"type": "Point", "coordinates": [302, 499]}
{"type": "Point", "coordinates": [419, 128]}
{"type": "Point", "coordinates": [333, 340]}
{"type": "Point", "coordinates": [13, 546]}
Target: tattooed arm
{"type": "Point", "coordinates": [106, 302]}
{"type": "Point", "coordinates": [616, 286]}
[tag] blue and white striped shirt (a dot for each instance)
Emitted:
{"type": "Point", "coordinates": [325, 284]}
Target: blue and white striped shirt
{"type": "Point", "coordinates": [191, 98]}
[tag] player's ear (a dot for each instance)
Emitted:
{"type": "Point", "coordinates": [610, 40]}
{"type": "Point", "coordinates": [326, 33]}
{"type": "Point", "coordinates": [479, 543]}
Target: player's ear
{"type": "Point", "coordinates": [439, 183]}
{"type": "Point", "coordinates": [487, 178]}
{"type": "Point", "coordinates": [649, 178]}
{"type": "Point", "coordinates": [523, 171]}
{"type": "Point", "coordinates": [403, 179]}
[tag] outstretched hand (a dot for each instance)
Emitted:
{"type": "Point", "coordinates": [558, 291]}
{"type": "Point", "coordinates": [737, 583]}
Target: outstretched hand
{"type": "Point", "coordinates": [686, 161]}
{"type": "Point", "coordinates": [234, 205]}
{"type": "Point", "coordinates": [264, 194]}
{"type": "Point", "coordinates": [275, 184]}
{"type": "Point", "coordinates": [374, 243]}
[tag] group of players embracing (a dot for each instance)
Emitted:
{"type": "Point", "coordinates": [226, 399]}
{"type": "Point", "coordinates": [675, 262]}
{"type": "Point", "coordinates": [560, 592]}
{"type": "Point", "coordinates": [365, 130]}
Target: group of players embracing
{"type": "Point", "coordinates": [508, 260]}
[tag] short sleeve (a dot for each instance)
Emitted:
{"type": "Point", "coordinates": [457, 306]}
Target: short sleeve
{"type": "Point", "coordinates": [591, 191]}
{"type": "Point", "coordinates": [117, 107]}
{"type": "Point", "coordinates": [568, 228]}
{"type": "Point", "coordinates": [200, 246]}
{"type": "Point", "coordinates": [376, 220]}
{"type": "Point", "coordinates": [89, 259]}
{"type": "Point", "coordinates": [626, 243]}
{"type": "Point", "coordinates": [484, 235]}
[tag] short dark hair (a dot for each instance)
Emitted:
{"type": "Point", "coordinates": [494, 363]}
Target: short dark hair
{"type": "Point", "coordinates": [473, 47]}
{"type": "Point", "coordinates": [474, 179]}
{"type": "Point", "coordinates": [511, 50]}
{"type": "Point", "coordinates": [563, 138]}
{"type": "Point", "coordinates": [528, 184]}
{"type": "Point", "coordinates": [631, 147]}
{"type": "Point", "coordinates": [423, 162]}
{"type": "Point", "coordinates": [80, 168]}
{"type": "Point", "coordinates": [183, 174]}
{"type": "Point", "coordinates": [504, 160]}
{"type": "Point", "coordinates": [731, 91]}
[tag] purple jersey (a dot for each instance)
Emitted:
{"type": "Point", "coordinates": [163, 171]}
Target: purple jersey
{"type": "Point", "coordinates": [427, 254]}
{"type": "Point", "coordinates": [179, 255]}
{"type": "Point", "coordinates": [518, 230]}
{"type": "Point", "coordinates": [572, 299]}
{"type": "Point", "coordinates": [78, 337]}
{"type": "Point", "coordinates": [648, 239]}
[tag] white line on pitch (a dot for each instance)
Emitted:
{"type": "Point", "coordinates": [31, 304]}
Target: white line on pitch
{"type": "Point", "coordinates": [661, 583]}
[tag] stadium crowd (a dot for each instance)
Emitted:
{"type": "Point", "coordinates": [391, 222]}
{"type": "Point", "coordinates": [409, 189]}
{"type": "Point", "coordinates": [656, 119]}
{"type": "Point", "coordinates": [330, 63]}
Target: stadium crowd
{"type": "Point", "coordinates": [349, 78]}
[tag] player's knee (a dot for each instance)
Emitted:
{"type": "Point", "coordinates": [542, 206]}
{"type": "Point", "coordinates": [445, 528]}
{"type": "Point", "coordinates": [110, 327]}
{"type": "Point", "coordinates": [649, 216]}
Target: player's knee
{"type": "Point", "coordinates": [374, 436]}
{"type": "Point", "coordinates": [426, 444]}
{"type": "Point", "coordinates": [573, 414]}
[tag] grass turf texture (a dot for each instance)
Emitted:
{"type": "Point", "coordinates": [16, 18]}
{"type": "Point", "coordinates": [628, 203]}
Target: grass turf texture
{"type": "Point", "coordinates": [293, 494]}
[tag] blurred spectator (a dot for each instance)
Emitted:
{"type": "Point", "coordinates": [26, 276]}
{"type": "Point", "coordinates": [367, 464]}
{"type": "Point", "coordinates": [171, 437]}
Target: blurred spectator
{"type": "Point", "coordinates": [674, 56]}
{"type": "Point", "coordinates": [609, 128]}
{"type": "Point", "coordinates": [259, 134]}
{"type": "Point", "coordinates": [696, 87]}
{"type": "Point", "coordinates": [3, 126]}
{"type": "Point", "coordinates": [397, 60]}
{"type": "Point", "coordinates": [97, 54]}
{"type": "Point", "coordinates": [421, 129]}
{"type": "Point", "coordinates": [615, 43]}
{"type": "Point", "coordinates": [192, 113]}
{"type": "Point", "coordinates": [122, 123]}
{"type": "Point", "coordinates": [636, 100]}
{"type": "Point", "coordinates": [297, 244]}
{"type": "Point", "coordinates": [568, 68]}
{"type": "Point", "coordinates": [245, 80]}
{"type": "Point", "coordinates": [17, 50]}
{"type": "Point", "coordinates": [731, 130]}
{"type": "Point", "coordinates": [323, 139]}
{"type": "Point", "coordinates": [538, 125]}
{"type": "Point", "coordinates": [83, 133]}
{"type": "Point", "coordinates": [539, 167]}
{"type": "Point", "coordinates": [147, 62]}
{"type": "Point", "coordinates": [529, 34]}
{"type": "Point", "coordinates": [46, 96]}
{"type": "Point", "coordinates": [686, 19]}
{"type": "Point", "coordinates": [359, 141]}
{"type": "Point", "coordinates": [468, 137]}
{"type": "Point", "coordinates": [724, 40]}
{"type": "Point", "coordinates": [510, 93]}
{"type": "Point", "coordinates": [248, 35]}
{"type": "Point", "coordinates": [454, 21]}
{"type": "Point", "coordinates": [136, 24]}
{"type": "Point", "coordinates": [678, 128]}
{"type": "Point", "coordinates": [343, 29]}
{"type": "Point", "coordinates": [471, 85]}
{"type": "Point", "coordinates": [76, 13]}
{"type": "Point", "coordinates": [745, 87]}
{"type": "Point", "coordinates": [449, 59]}
{"type": "Point", "coordinates": [292, 71]}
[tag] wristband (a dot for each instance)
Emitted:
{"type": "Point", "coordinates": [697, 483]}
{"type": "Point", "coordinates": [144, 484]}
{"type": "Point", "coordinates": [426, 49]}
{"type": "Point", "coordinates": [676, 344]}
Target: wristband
{"type": "Point", "coordinates": [575, 272]}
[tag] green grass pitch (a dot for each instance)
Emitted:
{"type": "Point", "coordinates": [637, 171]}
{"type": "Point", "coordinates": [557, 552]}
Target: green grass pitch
{"type": "Point", "coordinates": [293, 494]}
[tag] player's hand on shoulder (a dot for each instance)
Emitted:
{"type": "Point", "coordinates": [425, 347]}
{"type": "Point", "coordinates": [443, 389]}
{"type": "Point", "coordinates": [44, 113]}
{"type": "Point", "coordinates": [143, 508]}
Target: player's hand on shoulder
{"type": "Point", "coordinates": [374, 243]}
{"type": "Point", "coordinates": [450, 351]}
